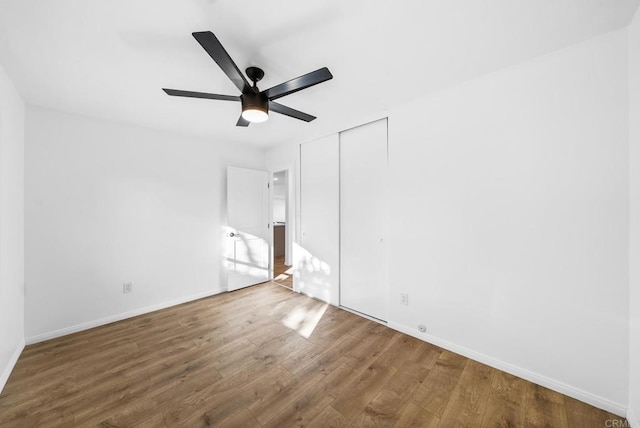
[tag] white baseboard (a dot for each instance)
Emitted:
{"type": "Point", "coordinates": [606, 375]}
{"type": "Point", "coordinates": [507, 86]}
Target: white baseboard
{"type": "Point", "coordinates": [12, 363]}
{"type": "Point", "coordinates": [117, 317]}
{"type": "Point", "coordinates": [563, 388]}
{"type": "Point", "coordinates": [632, 418]}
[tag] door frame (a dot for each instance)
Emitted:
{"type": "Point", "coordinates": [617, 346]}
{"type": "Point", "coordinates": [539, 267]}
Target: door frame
{"type": "Point", "coordinates": [290, 217]}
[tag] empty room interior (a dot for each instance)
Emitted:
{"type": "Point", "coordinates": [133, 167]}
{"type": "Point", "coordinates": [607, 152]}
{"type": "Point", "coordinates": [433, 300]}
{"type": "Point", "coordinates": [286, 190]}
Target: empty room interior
{"type": "Point", "coordinates": [322, 214]}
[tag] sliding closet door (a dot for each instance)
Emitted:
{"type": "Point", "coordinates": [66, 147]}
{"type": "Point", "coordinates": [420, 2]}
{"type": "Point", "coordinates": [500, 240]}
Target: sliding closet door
{"type": "Point", "coordinates": [317, 255]}
{"type": "Point", "coordinates": [363, 219]}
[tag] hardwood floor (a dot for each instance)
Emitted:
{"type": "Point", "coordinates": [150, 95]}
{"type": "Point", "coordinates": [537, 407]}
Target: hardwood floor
{"type": "Point", "coordinates": [282, 274]}
{"type": "Point", "coordinates": [265, 356]}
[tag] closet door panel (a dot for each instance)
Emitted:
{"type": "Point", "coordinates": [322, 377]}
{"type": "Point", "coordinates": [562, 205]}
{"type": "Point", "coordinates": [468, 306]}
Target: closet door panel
{"type": "Point", "coordinates": [317, 255]}
{"type": "Point", "coordinates": [363, 219]}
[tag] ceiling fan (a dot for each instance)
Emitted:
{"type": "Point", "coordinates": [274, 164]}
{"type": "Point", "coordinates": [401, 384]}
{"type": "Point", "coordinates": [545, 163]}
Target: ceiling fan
{"type": "Point", "coordinates": [256, 104]}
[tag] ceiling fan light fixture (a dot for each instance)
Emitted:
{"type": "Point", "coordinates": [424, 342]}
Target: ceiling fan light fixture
{"type": "Point", "coordinates": [255, 115]}
{"type": "Point", "coordinates": [255, 107]}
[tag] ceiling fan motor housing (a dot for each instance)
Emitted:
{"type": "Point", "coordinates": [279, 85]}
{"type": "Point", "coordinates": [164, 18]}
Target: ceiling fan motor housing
{"type": "Point", "coordinates": [255, 101]}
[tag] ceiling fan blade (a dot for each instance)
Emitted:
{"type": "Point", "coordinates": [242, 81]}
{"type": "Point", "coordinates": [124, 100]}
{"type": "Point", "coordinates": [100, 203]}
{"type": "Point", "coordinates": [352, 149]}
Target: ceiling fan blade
{"type": "Point", "coordinates": [242, 121]}
{"type": "Point", "coordinates": [288, 111]}
{"type": "Point", "coordinates": [191, 94]}
{"type": "Point", "coordinates": [214, 48]}
{"type": "Point", "coordinates": [299, 83]}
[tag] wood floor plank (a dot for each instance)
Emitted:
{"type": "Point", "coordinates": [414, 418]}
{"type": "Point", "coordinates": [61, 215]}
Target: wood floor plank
{"type": "Point", "coordinates": [265, 356]}
{"type": "Point", "coordinates": [426, 354]}
{"type": "Point", "coordinates": [337, 323]}
{"type": "Point", "coordinates": [329, 418]}
{"type": "Point", "coordinates": [242, 418]}
{"type": "Point", "coordinates": [582, 414]}
{"type": "Point", "coordinates": [385, 408]}
{"type": "Point", "coordinates": [215, 404]}
{"type": "Point", "coordinates": [543, 407]}
{"type": "Point", "coordinates": [139, 413]}
{"type": "Point", "coordinates": [320, 356]}
{"type": "Point", "coordinates": [434, 394]}
{"type": "Point", "coordinates": [302, 411]}
{"type": "Point", "coordinates": [382, 411]}
{"type": "Point", "coordinates": [402, 349]}
{"type": "Point", "coordinates": [505, 404]}
{"type": "Point", "coordinates": [370, 346]}
{"type": "Point", "coordinates": [280, 349]}
{"type": "Point", "coordinates": [415, 416]}
{"type": "Point", "coordinates": [467, 404]}
{"type": "Point", "coordinates": [306, 407]}
{"type": "Point", "coordinates": [408, 378]}
{"type": "Point", "coordinates": [270, 406]}
{"type": "Point", "coordinates": [357, 395]}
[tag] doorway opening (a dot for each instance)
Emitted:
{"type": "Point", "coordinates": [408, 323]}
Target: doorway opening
{"type": "Point", "coordinates": [282, 272]}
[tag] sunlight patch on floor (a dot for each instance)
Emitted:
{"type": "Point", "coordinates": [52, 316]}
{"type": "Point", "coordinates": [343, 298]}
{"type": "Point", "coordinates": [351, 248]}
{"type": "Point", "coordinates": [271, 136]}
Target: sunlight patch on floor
{"type": "Point", "coordinates": [281, 277]}
{"type": "Point", "coordinates": [304, 319]}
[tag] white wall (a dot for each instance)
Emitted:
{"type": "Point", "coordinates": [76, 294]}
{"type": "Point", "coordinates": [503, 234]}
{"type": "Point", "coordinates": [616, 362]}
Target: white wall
{"type": "Point", "coordinates": [107, 203]}
{"type": "Point", "coordinates": [509, 219]}
{"type": "Point", "coordinates": [279, 210]}
{"type": "Point", "coordinates": [11, 226]}
{"type": "Point", "coordinates": [633, 414]}
{"type": "Point", "coordinates": [279, 192]}
{"type": "Point", "coordinates": [282, 157]}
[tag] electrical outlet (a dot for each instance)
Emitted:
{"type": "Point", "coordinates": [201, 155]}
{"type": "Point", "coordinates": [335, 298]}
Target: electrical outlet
{"type": "Point", "coordinates": [127, 287]}
{"type": "Point", "coordinates": [404, 299]}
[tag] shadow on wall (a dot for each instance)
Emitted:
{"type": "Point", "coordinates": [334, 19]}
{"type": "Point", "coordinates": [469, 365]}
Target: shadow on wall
{"type": "Point", "coordinates": [312, 274]}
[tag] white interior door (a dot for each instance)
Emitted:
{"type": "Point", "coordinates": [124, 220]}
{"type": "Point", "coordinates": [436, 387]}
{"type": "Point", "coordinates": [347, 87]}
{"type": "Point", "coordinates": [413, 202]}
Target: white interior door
{"type": "Point", "coordinates": [248, 228]}
{"type": "Point", "coordinates": [363, 219]}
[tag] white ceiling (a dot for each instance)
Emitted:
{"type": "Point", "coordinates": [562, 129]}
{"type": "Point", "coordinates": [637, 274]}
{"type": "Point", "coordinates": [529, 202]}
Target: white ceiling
{"type": "Point", "coordinates": [109, 58]}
